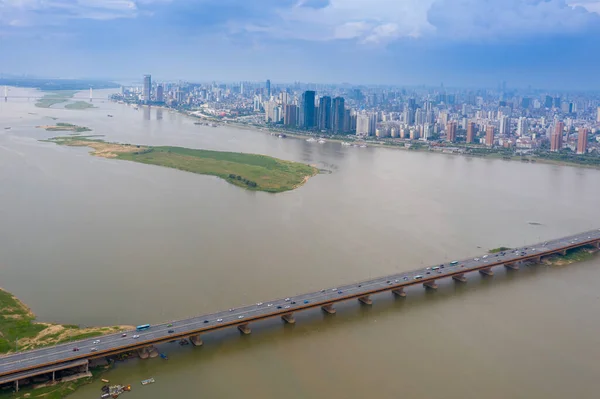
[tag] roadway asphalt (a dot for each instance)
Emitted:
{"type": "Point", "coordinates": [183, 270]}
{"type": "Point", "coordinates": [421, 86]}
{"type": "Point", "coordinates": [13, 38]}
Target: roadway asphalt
{"type": "Point", "coordinates": [196, 325]}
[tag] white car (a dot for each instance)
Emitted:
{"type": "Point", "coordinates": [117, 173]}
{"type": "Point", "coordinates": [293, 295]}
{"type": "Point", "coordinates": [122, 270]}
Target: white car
{"type": "Point", "coordinates": [287, 299]}
{"type": "Point", "coordinates": [476, 259]}
{"type": "Point", "coordinates": [240, 317]}
{"type": "Point", "coordinates": [269, 305]}
{"type": "Point", "coordinates": [484, 256]}
{"type": "Point", "coordinates": [219, 320]}
{"type": "Point", "coordinates": [93, 349]}
{"type": "Point", "coordinates": [258, 304]}
{"type": "Point", "coordinates": [286, 307]}
{"type": "Point", "coordinates": [136, 336]}
{"type": "Point", "coordinates": [96, 342]}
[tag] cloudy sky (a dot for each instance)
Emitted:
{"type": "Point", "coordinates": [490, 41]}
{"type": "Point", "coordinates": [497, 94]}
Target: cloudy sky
{"type": "Point", "coordinates": [545, 43]}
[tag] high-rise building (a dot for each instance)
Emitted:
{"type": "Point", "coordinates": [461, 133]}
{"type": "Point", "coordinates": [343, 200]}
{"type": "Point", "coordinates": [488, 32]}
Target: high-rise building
{"type": "Point", "coordinates": [268, 89]}
{"type": "Point", "coordinates": [598, 115]}
{"type": "Point", "coordinates": [372, 124]}
{"type": "Point", "coordinates": [147, 88]}
{"type": "Point", "coordinates": [362, 124]}
{"type": "Point", "coordinates": [557, 136]}
{"type": "Point", "coordinates": [522, 126]}
{"type": "Point", "coordinates": [470, 132]}
{"type": "Point", "coordinates": [504, 125]}
{"type": "Point", "coordinates": [419, 116]}
{"type": "Point", "coordinates": [290, 115]}
{"type": "Point", "coordinates": [307, 109]}
{"type": "Point", "coordinates": [324, 113]}
{"type": "Point", "coordinates": [582, 140]}
{"type": "Point", "coordinates": [489, 135]}
{"type": "Point", "coordinates": [160, 94]}
{"type": "Point", "coordinates": [338, 115]}
{"type": "Point", "coordinates": [451, 131]}
{"type": "Point", "coordinates": [548, 102]}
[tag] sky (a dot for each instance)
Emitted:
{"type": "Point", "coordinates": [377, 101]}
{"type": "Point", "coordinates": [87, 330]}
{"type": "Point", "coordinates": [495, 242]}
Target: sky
{"type": "Point", "coordinates": [475, 43]}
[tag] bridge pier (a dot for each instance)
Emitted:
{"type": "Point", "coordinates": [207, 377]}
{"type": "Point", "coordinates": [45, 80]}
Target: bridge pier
{"type": "Point", "coordinates": [365, 300]}
{"type": "Point", "coordinates": [430, 284]}
{"type": "Point", "coordinates": [244, 329]}
{"type": "Point", "coordinates": [53, 376]}
{"type": "Point", "coordinates": [399, 292]}
{"type": "Point", "coordinates": [196, 340]}
{"type": "Point", "coordinates": [563, 252]}
{"type": "Point", "coordinates": [460, 278]}
{"type": "Point", "coordinates": [289, 318]}
{"type": "Point", "coordinates": [329, 309]}
{"type": "Point", "coordinates": [512, 266]}
{"type": "Point", "coordinates": [17, 386]}
{"type": "Point", "coordinates": [487, 271]}
{"type": "Point", "coordinates": [597, 244]}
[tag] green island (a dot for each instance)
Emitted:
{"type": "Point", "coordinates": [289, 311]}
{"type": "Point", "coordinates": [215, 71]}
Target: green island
{"type": "Point", "coordinates": [65, 127]}
{"type": "Point", "coordinates": [499, 249]}
{"type": "Point", "coordinates": [54, 98]}
{"type": "Point", "coordinates": [79, 105]}
{"type": "Point", "coordinates": [250, 171]}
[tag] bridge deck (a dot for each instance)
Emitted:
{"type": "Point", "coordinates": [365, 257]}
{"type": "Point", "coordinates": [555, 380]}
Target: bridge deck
{"type": "Point", "coordinates": [42, 370]}
{"type": "Point", "coordinates": [115, 343]}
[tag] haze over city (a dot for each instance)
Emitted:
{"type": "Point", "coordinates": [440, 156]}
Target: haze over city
{"type": "Point", "coordinates": [548, 44]}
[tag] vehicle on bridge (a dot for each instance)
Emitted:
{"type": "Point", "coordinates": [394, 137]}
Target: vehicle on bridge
{"type": "Point", "coordinates": [143, 327]}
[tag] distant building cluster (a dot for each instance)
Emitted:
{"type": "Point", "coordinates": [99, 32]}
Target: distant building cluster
{"type": "Point", "coordinates": [488, 118]}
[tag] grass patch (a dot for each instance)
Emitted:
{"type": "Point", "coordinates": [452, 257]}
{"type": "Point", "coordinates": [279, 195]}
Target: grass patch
{"type": "Point", "coordinates": [499, 249]}
{"type": "Point", "coordinates": [19, 330]}
{"type": "Point", "coordinates": [79, 105]}
{"type": "Point", "coordinates": [250, 171]}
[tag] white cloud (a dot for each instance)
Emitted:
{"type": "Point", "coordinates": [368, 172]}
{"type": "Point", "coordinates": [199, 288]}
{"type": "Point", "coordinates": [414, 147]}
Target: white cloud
{"type": "Point", "coordinates": [590, 5]}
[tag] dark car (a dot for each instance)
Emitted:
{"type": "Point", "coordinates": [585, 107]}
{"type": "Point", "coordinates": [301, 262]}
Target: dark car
{"type": "Point", "coordinates": [279, 307]}
{"type": "Point", "coordinates": [205, 321]}
{"type": "Point", "coordinates": [75, 349]}
{"type": "Point", "coordinates": [171, 331]}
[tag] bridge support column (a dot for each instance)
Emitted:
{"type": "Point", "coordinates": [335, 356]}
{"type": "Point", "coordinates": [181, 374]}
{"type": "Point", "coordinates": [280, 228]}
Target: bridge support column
{"type": "Point", "coordinates": [399, 292]}
{"type": "Point", "coordinates": [143, 353]}
{"type": "Point", "coordinates": [17, 386]}
{"type": "Point", "coordinates": [597, 244]}
{"type": "Point", "coordinates": [289, 318]}
{"type": "Point", "coordinates": [512, 266]}
{"type": "Point", "coordinates": [53, 375]}
{"type": "Point", "coordinates": [563, 252]}
{"type": "Point", "coordinates": [366, 300]}
{"type": "Point", "coordinates": [460, 278]}
{"type": "Point", "coordinates": [244, 329]}
{"type": "Point", "coordinates": [87, 367]}
{"type": "Point", "coordinates": [430, 284]}
{"type": "Point", "coordinates": [328, 309]}
{"type": "Point", "coordinates": [487, 271]}
{"type": "Point", "coordinates": [196, 340]}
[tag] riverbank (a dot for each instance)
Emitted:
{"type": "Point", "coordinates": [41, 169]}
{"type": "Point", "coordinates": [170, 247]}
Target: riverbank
{"type": "Point", "coordinates": [250, 171]}
{"type": "Point", "coordinates": [19, 331]}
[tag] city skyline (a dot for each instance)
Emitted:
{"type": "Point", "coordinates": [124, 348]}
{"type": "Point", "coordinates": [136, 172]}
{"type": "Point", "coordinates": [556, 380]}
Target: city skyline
{"type": "Point", "coordinates": [545, 44]}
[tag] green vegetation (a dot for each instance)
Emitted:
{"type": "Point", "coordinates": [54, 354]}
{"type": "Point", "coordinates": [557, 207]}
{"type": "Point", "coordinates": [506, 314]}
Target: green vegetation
{"type": "Point", "coordinates": [67, 127]}
{"type": "Point", "coordinates": [250, 171]}
{"type": "Point", "coordinates": [20, 331]}
{"type": "Point", "coordinates": [79, 105]}
{"type": "Point", "coordinates": [572, 256]}
{"type": "Point", "coordinates": [499, 249]}
{"type": "Point", "coordinates": [53, 98]}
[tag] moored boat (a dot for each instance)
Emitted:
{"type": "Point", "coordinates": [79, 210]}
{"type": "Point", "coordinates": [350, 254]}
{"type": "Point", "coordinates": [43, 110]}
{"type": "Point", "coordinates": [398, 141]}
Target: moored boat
{"type": "Point", "coordinates": [148, 381]}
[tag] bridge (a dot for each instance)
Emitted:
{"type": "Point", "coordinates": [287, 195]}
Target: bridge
{"type": "Point", "coordinates": [46, 361]}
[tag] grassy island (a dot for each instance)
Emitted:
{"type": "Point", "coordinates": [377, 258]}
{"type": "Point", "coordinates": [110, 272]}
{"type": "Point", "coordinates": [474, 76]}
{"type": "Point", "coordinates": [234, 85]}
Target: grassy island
{"type": "Point", "coordinates": [79, 105]}
{"type": "Point", "coordinates": [499, 249]}
{"type": "Point", "coordinates": [19, 330]}
{"type": "Point", "coordinates": [250, 171]}
{"type": "Point", "coordinates": [66, 127]}
{"type": "Point", "coordinates": [51, 99]}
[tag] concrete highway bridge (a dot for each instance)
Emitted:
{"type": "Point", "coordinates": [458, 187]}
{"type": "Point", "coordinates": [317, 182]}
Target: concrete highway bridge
{"type": "Point", "coordinates": [47, 361]}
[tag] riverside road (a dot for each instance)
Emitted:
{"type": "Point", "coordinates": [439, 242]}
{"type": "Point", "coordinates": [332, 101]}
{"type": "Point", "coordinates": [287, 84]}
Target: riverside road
{"type": "Point", "coordinates": [14, 365]}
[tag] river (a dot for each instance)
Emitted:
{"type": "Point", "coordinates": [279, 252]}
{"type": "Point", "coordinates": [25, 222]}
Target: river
{"type": "Point", "coordinates": [92, 241]}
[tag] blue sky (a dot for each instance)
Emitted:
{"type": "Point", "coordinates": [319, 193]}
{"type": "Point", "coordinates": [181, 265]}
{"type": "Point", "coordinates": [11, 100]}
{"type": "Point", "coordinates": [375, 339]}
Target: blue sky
{"type": "Point", "coordinates": [545, 43]}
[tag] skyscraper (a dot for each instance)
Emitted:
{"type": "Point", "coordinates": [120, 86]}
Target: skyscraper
{"type": "Point", "coordinates": [290, 115]}
{"type": "Point", "coordinates": [268, 89]}
{"type": "Point", "coordinates": [470, 132]}
{"type": "Point", "coordinates": [598, 115]}
{"type": "Point", "coordinates": [362, 124]}
{"type": "Point", "coordinates": [147, 88]}
{"type": "Point", "coordinates": [504, 125]}
{"type": "Point", "coordinates": [451, 131]}
{"type": "Point", "coordinates": [582, 140]}
{"type": "Point", "coordinates": [338, 117]}
{"type": "Point", "coordinates": [307, 109]}
{"type": "Point", "coordinates": [557, 136]}
{"type": "Point", "coordinates": [489, 136]}
{"type": "Point", "coordinates": [324, 113]}
{"type": "Point", "coordinates": [522, 126]}
{"type": "Point", "coordinates": [160, 94]}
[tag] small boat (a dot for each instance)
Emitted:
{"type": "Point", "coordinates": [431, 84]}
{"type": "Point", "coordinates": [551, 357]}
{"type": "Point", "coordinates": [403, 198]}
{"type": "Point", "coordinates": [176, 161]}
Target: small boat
{"type": "Point", "coordinates": [109, 115]}
{"type": "Point", "coordinates": [346, 143]}
{"type": "Point", "coordinates": [104, 380]}
{"type": "Point", "coordinates": [321, 141]}
{"type": "Point", "coordinates": [148, 381]}
{"type": "Point", "coordinates": [162, 355]}
{"type": "Point", "coordinates": [311, 140]}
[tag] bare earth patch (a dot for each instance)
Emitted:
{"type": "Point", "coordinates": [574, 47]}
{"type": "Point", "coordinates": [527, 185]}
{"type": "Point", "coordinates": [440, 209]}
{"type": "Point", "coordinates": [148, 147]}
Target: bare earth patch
{"type": "Point", "coordinates": [107, 150]}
